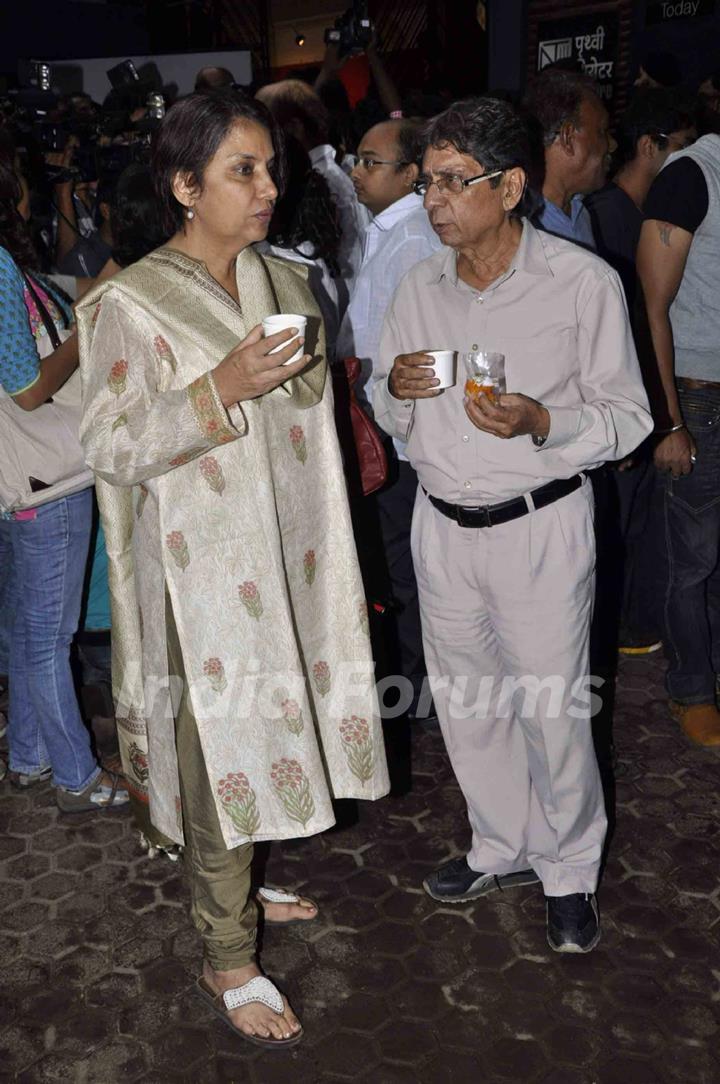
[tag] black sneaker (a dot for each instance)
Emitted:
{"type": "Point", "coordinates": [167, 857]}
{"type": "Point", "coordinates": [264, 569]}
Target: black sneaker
{"type": "Point", "coordinates": [455, 882]}
{"type": "Point", "coordinates": [573, 922]}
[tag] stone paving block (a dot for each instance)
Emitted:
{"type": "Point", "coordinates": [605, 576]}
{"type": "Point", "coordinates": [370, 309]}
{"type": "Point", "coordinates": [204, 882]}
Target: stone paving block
{"type": "Point", "coordinates": [115, 1062]}
{"type": "Point", "coordinates": [100, 959]}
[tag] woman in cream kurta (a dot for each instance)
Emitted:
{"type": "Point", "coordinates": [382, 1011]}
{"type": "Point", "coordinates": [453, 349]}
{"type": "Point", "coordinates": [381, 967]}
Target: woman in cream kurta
{"type": "Point", "coordinates": [239, 513]}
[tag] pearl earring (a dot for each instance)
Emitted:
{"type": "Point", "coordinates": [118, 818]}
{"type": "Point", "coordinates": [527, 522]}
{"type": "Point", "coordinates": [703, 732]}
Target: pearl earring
{"type": "Point", "coordinates": [190, 213]}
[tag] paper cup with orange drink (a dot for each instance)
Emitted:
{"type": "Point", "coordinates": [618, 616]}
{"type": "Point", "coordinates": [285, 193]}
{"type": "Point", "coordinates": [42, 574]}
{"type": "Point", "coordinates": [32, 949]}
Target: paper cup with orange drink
{"type": "Point", "coordinates": [485, 374]}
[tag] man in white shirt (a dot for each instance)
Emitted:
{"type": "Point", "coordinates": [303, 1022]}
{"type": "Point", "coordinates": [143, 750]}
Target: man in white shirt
{"type": "Point", "coordinates": [299, 111]}
{"type": "Point", "coordinates": [399, 236]}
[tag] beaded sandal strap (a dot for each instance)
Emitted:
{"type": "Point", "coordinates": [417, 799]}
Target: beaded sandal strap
{"type": "Point", "coordinates": [275, 895]}
{"type": "Point", "coordinates": [258, 989]}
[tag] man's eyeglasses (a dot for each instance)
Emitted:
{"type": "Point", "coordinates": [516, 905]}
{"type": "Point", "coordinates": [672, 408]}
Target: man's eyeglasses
{"type": "Point", "coordinates": [370, 163]}
{"type": "Point", "coordinates": [450, 182]}
{"type": "Point", "coordinates": [681, 144]}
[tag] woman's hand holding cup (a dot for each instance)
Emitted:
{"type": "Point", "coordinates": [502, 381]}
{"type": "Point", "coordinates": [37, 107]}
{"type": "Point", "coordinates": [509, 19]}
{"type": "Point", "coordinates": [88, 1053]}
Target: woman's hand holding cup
{"type": "Point", "coordinates": [252, 369]}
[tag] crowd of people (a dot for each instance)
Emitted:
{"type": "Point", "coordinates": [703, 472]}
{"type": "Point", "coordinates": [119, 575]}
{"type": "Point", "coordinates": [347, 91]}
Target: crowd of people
{"type": "Point", "coordinates": [175, 486]}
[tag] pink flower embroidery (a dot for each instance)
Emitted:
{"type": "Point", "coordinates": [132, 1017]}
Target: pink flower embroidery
{"type": "Point", "coordinates": [164, 352]}
{"type": "Point", "coordinates": [293, 789]}
{"type": "Point", "coordinates": [117, 379]}
{"type": "Point", "coordinates": [177, 545]}
{"type": "Point", "coordinates": [250, 598]}
{"type": "Point", "coordinates": [239, 802]}
{"type": "Point", "coordinates": [358, 746]}
{"type": "Point", "coordinates": [212, 472]}
{"type": "Point", "coordinates": [209, 415]}
{"type": "Point", "coordinates": [293, 716]}
{"type": "Point", "coordinates": [184, 457]}
{"type": "Point", "coordinates": [321, 677]}
{"type": "Point", "coordinates": [297, 439]}
{"type": "Point", "coordinates": [180, 460]}
{"type": "Point", "coordinates": [310, 567]}
{"type": "Point", "coordinates": [214, 671]}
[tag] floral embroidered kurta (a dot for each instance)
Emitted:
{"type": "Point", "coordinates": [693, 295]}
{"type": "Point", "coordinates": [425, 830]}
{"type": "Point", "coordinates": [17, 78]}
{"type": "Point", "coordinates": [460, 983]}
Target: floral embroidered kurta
{"type": "Point", "coordinates": [241, 516]}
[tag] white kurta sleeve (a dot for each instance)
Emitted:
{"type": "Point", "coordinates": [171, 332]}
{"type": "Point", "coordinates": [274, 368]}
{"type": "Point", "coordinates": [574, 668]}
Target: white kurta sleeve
{"type": "Point", "coordinates": [131, 429]}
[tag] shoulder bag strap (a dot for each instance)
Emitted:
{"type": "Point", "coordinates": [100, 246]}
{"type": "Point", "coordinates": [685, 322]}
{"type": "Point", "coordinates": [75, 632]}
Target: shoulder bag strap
{"type": "Point", "coordinates": [44, 314]}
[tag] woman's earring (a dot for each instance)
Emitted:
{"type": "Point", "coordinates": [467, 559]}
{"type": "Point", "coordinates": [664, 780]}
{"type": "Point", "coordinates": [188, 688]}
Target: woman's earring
{"type": "Point", "coordinates": [190, 213]}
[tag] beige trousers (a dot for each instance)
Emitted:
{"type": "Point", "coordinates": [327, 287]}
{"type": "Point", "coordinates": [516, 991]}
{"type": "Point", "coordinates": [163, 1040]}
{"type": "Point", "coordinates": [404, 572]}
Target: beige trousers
{"type": "Point", "coordinates": [221, 907]}
{"type": "Point", "coordinates": [506, 622]}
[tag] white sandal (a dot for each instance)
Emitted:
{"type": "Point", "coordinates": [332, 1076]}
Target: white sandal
{"type": "Point", "coordinates": [257, 991]}
{"type": "Point", "coordinates": [276, 895]}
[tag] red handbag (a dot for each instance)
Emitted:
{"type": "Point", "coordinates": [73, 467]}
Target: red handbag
{"type": "Point", "coordinates": [366, 462]}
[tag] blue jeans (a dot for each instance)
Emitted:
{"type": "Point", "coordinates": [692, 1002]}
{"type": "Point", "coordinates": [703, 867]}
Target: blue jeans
{"type": "Point", "coordinates": [692, 534]}
{"type": "Point", "coordinates": [6, 614]}
{"type": "Point", "coordinates": [45, 728]}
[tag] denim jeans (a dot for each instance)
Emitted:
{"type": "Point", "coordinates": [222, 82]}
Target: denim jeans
{"type": "Point", "coordinates": [6, 593]}
{"type": "Point", "coordinates": [692, 534]}
{"type": "Point", "coordinates": [45, 728]}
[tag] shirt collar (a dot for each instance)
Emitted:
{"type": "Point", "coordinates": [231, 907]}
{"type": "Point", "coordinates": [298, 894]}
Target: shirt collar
{"type": "Point", "coordinates": [530, 257]}
{"type": "Point", "coordinates": [323, 152]}
{"type": "Point", "coordinates": [577, 206]}
{"type": "Point", "coordinates": [398, 210]}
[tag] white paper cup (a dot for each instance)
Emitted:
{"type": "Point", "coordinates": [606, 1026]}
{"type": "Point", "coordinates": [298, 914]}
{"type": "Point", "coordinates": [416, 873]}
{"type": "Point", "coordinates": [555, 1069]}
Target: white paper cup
{"type": "Point", "coordinates": [272, 324]}
{"type": "Point", "coordinates": [443, 366]}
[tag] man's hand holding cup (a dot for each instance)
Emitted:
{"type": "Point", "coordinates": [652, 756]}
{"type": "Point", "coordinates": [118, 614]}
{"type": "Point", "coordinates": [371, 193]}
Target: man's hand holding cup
{"type": "Point", "coordinates": [422, 375]}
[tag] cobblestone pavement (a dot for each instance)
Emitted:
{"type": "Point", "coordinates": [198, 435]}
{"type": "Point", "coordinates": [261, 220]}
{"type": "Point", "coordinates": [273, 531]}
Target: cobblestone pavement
{"type": "Point", "coordinates": [99, 959]}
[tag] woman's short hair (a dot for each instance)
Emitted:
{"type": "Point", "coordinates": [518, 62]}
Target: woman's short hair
{"type": "Point", "coordinates": [493, 132]}
{"type": "Point", "coordinates": [190, 135]}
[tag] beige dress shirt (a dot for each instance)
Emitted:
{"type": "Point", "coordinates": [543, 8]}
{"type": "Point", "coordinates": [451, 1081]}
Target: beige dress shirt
{"type": "Point", "coordinates": [558, 315]}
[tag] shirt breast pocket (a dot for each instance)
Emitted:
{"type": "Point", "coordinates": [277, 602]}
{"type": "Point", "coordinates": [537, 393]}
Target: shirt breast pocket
{"type": "Point", "coordinates": [542, 363]}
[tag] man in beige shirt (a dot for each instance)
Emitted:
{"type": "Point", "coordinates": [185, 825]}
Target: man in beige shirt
{"type": "Point", "coordinates": [502, 534]}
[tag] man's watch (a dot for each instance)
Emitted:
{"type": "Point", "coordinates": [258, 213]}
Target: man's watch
{"type": "Point", "coordinates": [538, 441]}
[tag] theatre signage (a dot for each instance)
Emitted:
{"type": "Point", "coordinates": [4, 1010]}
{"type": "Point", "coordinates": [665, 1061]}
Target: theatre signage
{"type": "Point", "coordinates": [590, 39]}
{"type": "Point", "coordinates": [671, 10]}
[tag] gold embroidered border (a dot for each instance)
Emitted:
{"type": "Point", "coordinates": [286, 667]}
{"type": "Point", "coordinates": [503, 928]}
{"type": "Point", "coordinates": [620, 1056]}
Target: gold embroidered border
{"type": "Point", "coordinates": [209, 413]}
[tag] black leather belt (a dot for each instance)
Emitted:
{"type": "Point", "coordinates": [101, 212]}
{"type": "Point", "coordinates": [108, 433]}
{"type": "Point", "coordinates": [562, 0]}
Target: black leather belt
{"type": "Point", "coordinates": [490, 515]}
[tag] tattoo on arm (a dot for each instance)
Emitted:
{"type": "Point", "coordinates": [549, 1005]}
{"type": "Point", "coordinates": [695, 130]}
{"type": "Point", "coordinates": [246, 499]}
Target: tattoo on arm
{"type": "Point", "coordinates": [665, 229]}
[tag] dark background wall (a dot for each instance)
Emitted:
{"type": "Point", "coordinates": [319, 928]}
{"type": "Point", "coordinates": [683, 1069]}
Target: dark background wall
{"type": "Point", "coordinates": [69, 28]}
{"type": "Point", "coordinates": [55, 29]}
{"type": "Point", "coordinates": [696, 42]}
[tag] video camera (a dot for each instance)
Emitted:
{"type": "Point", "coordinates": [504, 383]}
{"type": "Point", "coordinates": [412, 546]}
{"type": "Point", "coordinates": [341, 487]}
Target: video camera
{"type": "Point", "coordinates": [353, 30]}
{"type": "Point", "coordinates": [34, 113]}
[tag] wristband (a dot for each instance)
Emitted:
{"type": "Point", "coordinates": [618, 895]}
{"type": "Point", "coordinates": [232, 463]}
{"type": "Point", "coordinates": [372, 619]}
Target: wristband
{"type": "Point", "coordinates": [673, 429]}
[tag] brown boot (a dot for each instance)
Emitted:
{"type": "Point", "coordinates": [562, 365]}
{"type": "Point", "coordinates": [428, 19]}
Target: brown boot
{"type": "Point", "coordinates": [701, 722]}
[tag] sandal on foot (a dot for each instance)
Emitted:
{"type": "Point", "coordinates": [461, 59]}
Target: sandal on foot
{"type": "Point", "coordinates": [25, 780]}
{"type": "Point", "coordinates": [152, 849]}
{"type": "Point", "coordinates": [276, 895]}
{"type": "Point", "coordinates": [97, 795]}
{"type": "Point", "coordinates": [257, 990]}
